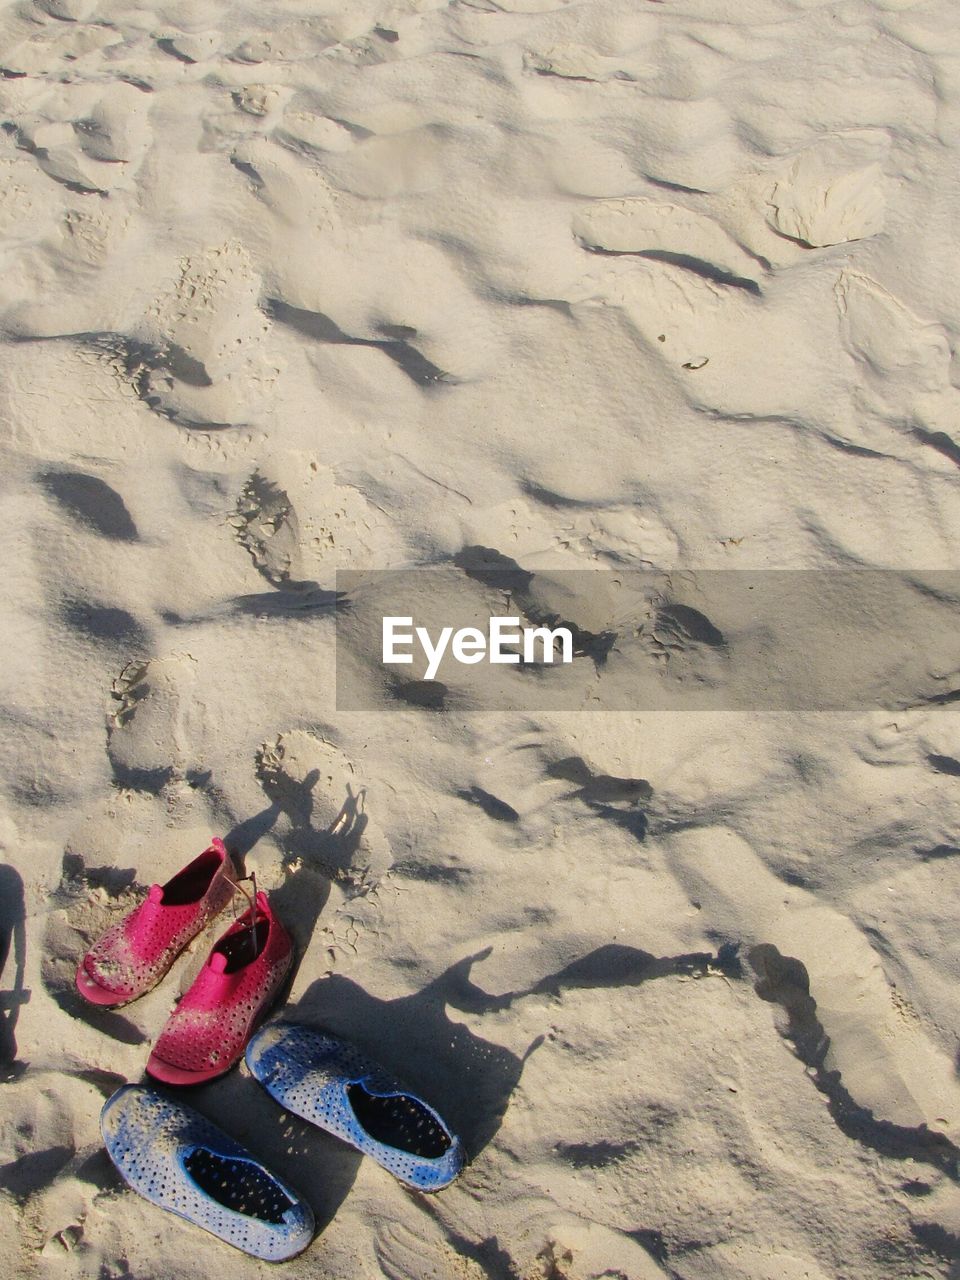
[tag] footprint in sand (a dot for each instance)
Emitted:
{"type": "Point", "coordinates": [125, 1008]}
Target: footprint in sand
{"type": "Point", "coordinates": [191, 46]}
{"type": "Point", "coordinates": [310, 134]}
{"type": "Point", "coordinates": [571, 61]}
{"type": "Point", "coordinates": [211, 323]}
{"type": "Point", "coordinates": [98, 147]}
{"type": "Point", "coordinates": [47, 50]}
{"type": "Point", "coordinates": [301, 38]}
{"type": "Point", "coordinates": [903, 374]}
{"type": "Point", "coordinates": [339, 525]}
{"type": "Point", "coordinates": [268, 530]}
{"type": "Point", "coordinates": [156, 721]}
{"type": "Point", "coordinates": [622, 536]}
{"type": "Point", "coordinates": [832, 192]}
{"type": "Point", "coordinates": [259, 100]}
{"type": "Point", "coordinates": [670, 234]}
{"type": "Point", "coordinates": [90, 235]}
{"type": "Point", "coordinates": [326, 525]}
{"type": "Point", "coordinates": [21, 199]}
{"type": "Point", "coordinates": [324, 804]}
{"type": "Point", "coordinates": [115, 129]}
{"type": "Point", "coordinates": [896, 1071]}
{"type": "Point", "coordinates": [892, 344]}
{"type": "Point", "coordinates": [87, 903]}
{"type": "Point", "coordinates": [298, 194]}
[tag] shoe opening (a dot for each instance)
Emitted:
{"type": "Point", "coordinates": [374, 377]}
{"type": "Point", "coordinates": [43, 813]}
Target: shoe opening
{"type": "Point", "coordinates": [399, 1121]}
{"type": "Point", "coordinates": [190, 884]}
{"type": "Point", "coordinates": [238, 1185]}
{"type": "Point", "coordinates": [244, 945]}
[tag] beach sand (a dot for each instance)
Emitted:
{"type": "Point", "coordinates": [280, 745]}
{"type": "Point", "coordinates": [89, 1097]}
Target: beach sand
{"type": "Point", "coordinates": [614, 285]}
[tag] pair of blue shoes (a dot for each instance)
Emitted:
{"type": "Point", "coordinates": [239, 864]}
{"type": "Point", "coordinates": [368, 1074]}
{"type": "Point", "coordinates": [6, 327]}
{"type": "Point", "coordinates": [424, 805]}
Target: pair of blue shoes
{"type": "Point", "coordinates": [178, 1160]}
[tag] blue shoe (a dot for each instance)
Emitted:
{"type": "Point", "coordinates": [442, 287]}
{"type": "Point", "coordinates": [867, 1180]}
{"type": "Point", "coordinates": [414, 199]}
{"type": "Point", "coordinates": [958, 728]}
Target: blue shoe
{"type": "Point", "coordinates": [178, 1160]}
{"type": "Point", "coordinates": [329, 1083]}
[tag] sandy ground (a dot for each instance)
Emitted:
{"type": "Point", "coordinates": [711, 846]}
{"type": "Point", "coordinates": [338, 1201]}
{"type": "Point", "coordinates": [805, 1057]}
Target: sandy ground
{"type": "Point", "coordinates": [294, 287]}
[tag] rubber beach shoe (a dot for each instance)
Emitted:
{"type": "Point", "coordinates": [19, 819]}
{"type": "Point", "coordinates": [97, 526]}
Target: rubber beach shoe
{"type": "Point", "coordinates": [134, 954]}
{"type": "Point", "coordinates": [177, 1159]}
{"type": "Point", "coordinates": [208, 1031]}
{"type": "Point", "coordinates": [326, 1081]}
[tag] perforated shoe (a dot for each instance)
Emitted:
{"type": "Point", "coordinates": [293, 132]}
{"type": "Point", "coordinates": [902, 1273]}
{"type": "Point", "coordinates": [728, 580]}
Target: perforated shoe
{"type": "Point", "coordinates": [326, 1081]}
{"type": "Point", "coordinates": [207, 1032]}
{"type": "Point", "coordinates": [134, 954]}
{"type": "Point", "coordinates": [177, 1159]}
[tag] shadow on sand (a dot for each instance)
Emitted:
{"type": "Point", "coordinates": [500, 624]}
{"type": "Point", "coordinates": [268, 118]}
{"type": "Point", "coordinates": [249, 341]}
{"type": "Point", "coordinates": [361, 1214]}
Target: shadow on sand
{"type": "Point", "coordinates": [469, 1080]}
{"type": "Point", "coordinates": [13, 942]}
{"type": "Point", "coordinates": [311, 857]}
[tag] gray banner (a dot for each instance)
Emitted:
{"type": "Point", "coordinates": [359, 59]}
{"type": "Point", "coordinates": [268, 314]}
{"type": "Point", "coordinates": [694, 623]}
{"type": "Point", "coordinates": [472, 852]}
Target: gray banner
{"type": "Point", "coordinates": [694, 640]}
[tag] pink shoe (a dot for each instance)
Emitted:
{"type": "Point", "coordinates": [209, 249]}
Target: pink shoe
{"type": "Point", "coordinates": [133, 955]}
{"type": "Point", "coordinates": [209, 1029]}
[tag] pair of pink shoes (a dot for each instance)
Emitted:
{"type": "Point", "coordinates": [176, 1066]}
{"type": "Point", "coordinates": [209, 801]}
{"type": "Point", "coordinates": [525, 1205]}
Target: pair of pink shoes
{"type": "Point", "coordinates": [209, 1029]}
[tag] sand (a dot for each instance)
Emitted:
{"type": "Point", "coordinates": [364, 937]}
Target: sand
{"type": "Point", "coordinates": [615, 285]}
